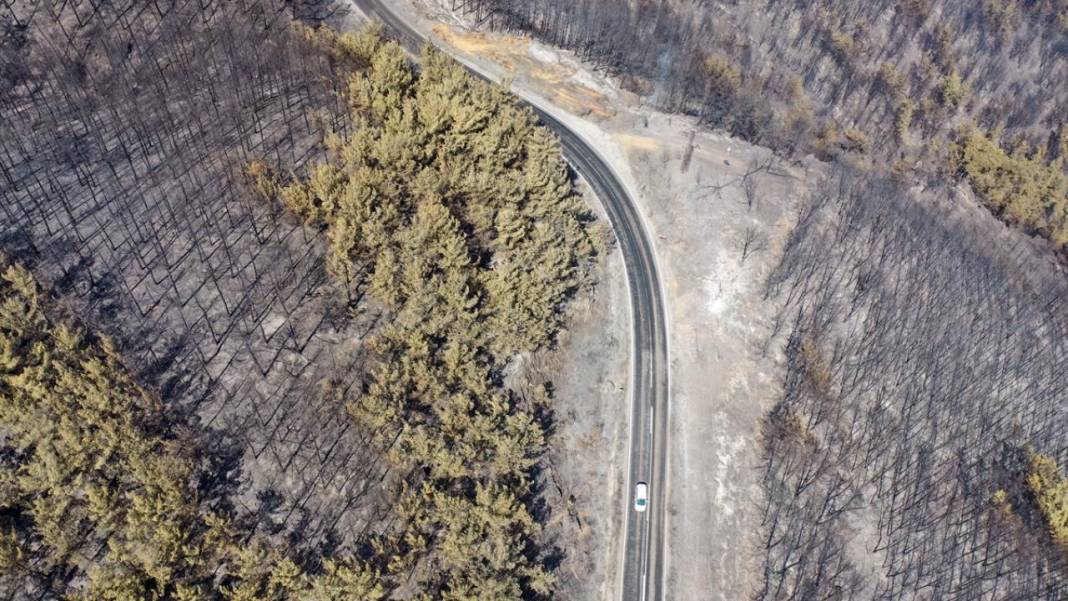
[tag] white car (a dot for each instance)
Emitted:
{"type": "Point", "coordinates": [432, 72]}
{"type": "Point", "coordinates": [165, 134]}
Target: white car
{"type": "Point", "coordinates": [641, 496]}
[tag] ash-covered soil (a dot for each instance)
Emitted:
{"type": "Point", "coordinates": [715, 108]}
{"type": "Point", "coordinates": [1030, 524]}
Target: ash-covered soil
{"type": "Point", "coordinates": [721, 210]}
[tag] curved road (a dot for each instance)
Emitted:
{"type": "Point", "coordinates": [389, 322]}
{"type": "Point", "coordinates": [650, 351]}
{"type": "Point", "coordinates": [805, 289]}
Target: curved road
{"type": "Point", "coordinates": [643, 558]}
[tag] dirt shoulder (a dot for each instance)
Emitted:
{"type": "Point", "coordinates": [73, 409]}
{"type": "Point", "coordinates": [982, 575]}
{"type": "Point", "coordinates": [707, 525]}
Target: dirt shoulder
{"type": "Point", "coordinates": [583, 483]}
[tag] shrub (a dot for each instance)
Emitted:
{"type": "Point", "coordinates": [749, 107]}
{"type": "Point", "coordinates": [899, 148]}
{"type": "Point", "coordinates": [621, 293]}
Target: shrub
{"type": "Point", "coordinates": [1061, 148]}
{"type": "Point", "coordinates": [1000, 15]}
{"type": "Point", "coordinates": [1050, 487]}
{"type": "Point", "coordinates": [951, 90]}
{"type": "Point", "coordinates": [816, 369]}
{"type": "Point", "coordinates": [943, 38]}
{"type": "Point", "coordinates": [1027, 190]}
{"type": "Point", "coordinates": [799, 122]}
{"type": "Point", "coordinates": [796, 90]}
{"type": "Point", "coordinates": [903, 120]}
{"type": "Point", "coordinates": [856, 140]}
{"type": "Point", "coordinates": [889, 79]}
{"type": "Point", "coordinates": [1000, 500]}
{"type": "Point", "coordinates": [841, 44]}
{"type": "Point", "coordinates": [917, 10]}
{"type": "Point", "coordinates": [723, 78]}
{"type": "Point", "coordinates": [826, 142]}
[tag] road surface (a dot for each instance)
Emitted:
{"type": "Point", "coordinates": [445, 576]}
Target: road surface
{"type": "Point", "coordinates": [643, 557]}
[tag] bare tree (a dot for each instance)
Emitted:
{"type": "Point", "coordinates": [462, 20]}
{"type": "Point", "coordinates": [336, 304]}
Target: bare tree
{"type": "Point", "coordinates": [749, 187]}
{"type": "Point", "coordinates": [752, 242]}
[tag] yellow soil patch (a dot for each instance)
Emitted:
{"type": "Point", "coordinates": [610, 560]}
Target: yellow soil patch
{"type": "Point", "coordinates": [481, 43]}
{"type": "Point", "coordinates": [582, 101]}
{"type": "Point", "coordinates": [513, 53]}
{"type": "Point", "coordinates": [642, 143]}
{"type": "Point", "coordinates": [552, 74]}
{"type": "Point", "coordinates": [499, 48]}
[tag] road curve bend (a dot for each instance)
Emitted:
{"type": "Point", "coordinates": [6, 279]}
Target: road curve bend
{"type": "Point", "coordinates": [642, 566]}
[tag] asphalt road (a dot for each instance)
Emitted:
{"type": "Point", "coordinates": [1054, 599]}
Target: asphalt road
{"type": "Point", "coordinates": [643, 558]}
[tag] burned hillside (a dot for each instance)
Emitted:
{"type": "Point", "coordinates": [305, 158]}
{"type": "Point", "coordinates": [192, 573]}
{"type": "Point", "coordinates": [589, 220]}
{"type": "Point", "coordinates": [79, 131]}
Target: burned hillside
{"type": "Point", "coordinates": [924, 385]}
